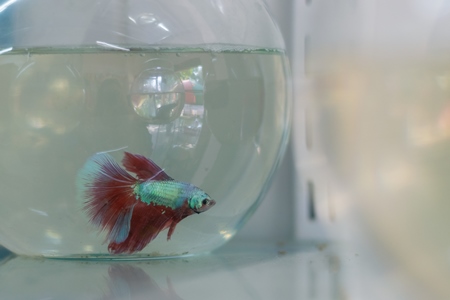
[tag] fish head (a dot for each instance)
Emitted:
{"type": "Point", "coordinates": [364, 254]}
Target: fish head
{"type": "Point", "coordinates": [200, 201]}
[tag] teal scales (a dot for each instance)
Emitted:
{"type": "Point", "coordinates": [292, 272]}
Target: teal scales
{"type": "Point", "coordinates": [170, 194]}
{"type": "Point", "coordinates": [166, 193]}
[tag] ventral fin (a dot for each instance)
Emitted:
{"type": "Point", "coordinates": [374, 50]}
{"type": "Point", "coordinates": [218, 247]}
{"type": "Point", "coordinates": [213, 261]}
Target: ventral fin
{"type": "Point", "coordinates": [143, 167]}
{"type": "Point", "coordinates": [119, 232]}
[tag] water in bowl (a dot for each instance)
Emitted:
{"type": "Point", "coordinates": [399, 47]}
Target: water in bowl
{"type": "Point", "coordinates": [216, 119]}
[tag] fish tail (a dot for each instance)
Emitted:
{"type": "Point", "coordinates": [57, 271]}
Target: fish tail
{"type": "Point", "coordinates": [106, 191]}
{"type": "Point", "coordinates": [145, 228]}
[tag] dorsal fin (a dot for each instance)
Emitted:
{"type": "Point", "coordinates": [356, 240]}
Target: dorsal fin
{"type": "Point", "coordinates": [143, 167]}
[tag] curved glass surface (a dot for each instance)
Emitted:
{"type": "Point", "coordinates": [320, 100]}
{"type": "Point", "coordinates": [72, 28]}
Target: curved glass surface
{"type": "Point", "coordinates": [206, 101]}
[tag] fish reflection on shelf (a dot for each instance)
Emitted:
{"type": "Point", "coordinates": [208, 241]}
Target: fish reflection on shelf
{"type": "Point", "coordinates": [130, 282]}
{"type": "Point", "coordinates": [133, 211]}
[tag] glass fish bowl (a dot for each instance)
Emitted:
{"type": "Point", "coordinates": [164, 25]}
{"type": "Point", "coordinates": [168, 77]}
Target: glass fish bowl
{"type": "Point", "coordinates": [136, 128]}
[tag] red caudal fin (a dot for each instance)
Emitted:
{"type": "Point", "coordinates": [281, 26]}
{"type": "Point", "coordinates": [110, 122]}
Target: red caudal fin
{"type": "Point", "coordinates": [107, 191]}
{"type": "Point", "coordinates": [143, 167]}
{"type": "Point", "coordinates": [147, 222]}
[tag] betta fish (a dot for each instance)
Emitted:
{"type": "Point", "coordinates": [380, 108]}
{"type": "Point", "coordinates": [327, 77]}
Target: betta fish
{"type": "Point", "coordinates": [134, 210]}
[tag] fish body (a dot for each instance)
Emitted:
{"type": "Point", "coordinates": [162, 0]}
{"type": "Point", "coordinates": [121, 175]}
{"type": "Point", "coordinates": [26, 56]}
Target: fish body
{"type": "Point", "coordinates": [167, 193]}
{"type": "Point", "coordinates": [134, 209]}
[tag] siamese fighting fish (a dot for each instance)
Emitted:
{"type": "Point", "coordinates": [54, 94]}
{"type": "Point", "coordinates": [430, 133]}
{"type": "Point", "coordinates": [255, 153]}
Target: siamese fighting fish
{"type": "Point", "coordinates": [133, 210]}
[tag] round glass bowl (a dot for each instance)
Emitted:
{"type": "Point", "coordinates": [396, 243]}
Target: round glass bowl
{"type": "Point", "coordinates": [199, 87]}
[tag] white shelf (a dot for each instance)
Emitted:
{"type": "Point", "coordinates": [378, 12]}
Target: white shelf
{"type": "Point", "coordinates": [260, 270]}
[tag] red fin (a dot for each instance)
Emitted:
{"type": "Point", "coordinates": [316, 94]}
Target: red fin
{"type": "Point", "coordinates": [146, 223]}
{"type": "Point", "coordinates": [143, 167]}
{"type": "Point", "coordinates": [108, 193]}
{"type": "Point", "coordinates": [180, 213]}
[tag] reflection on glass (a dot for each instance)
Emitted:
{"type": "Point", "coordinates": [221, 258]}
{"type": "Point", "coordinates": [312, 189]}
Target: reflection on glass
{"type": "Point", "coordinates": [182, 135]}
{"type": "Point", "coordinates": [157, 94]}
{"type": "Point", "coordinates": [48, 94]}
{"type": "Point", "coordinates": [190, 124]}
{"type": "Point", "coordinates": [2, 51]}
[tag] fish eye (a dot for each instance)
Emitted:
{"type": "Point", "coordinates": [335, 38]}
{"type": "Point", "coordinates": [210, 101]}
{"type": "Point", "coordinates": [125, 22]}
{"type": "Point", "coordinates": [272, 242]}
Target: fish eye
{"type": "Point", "coordinates": [205, 202]}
